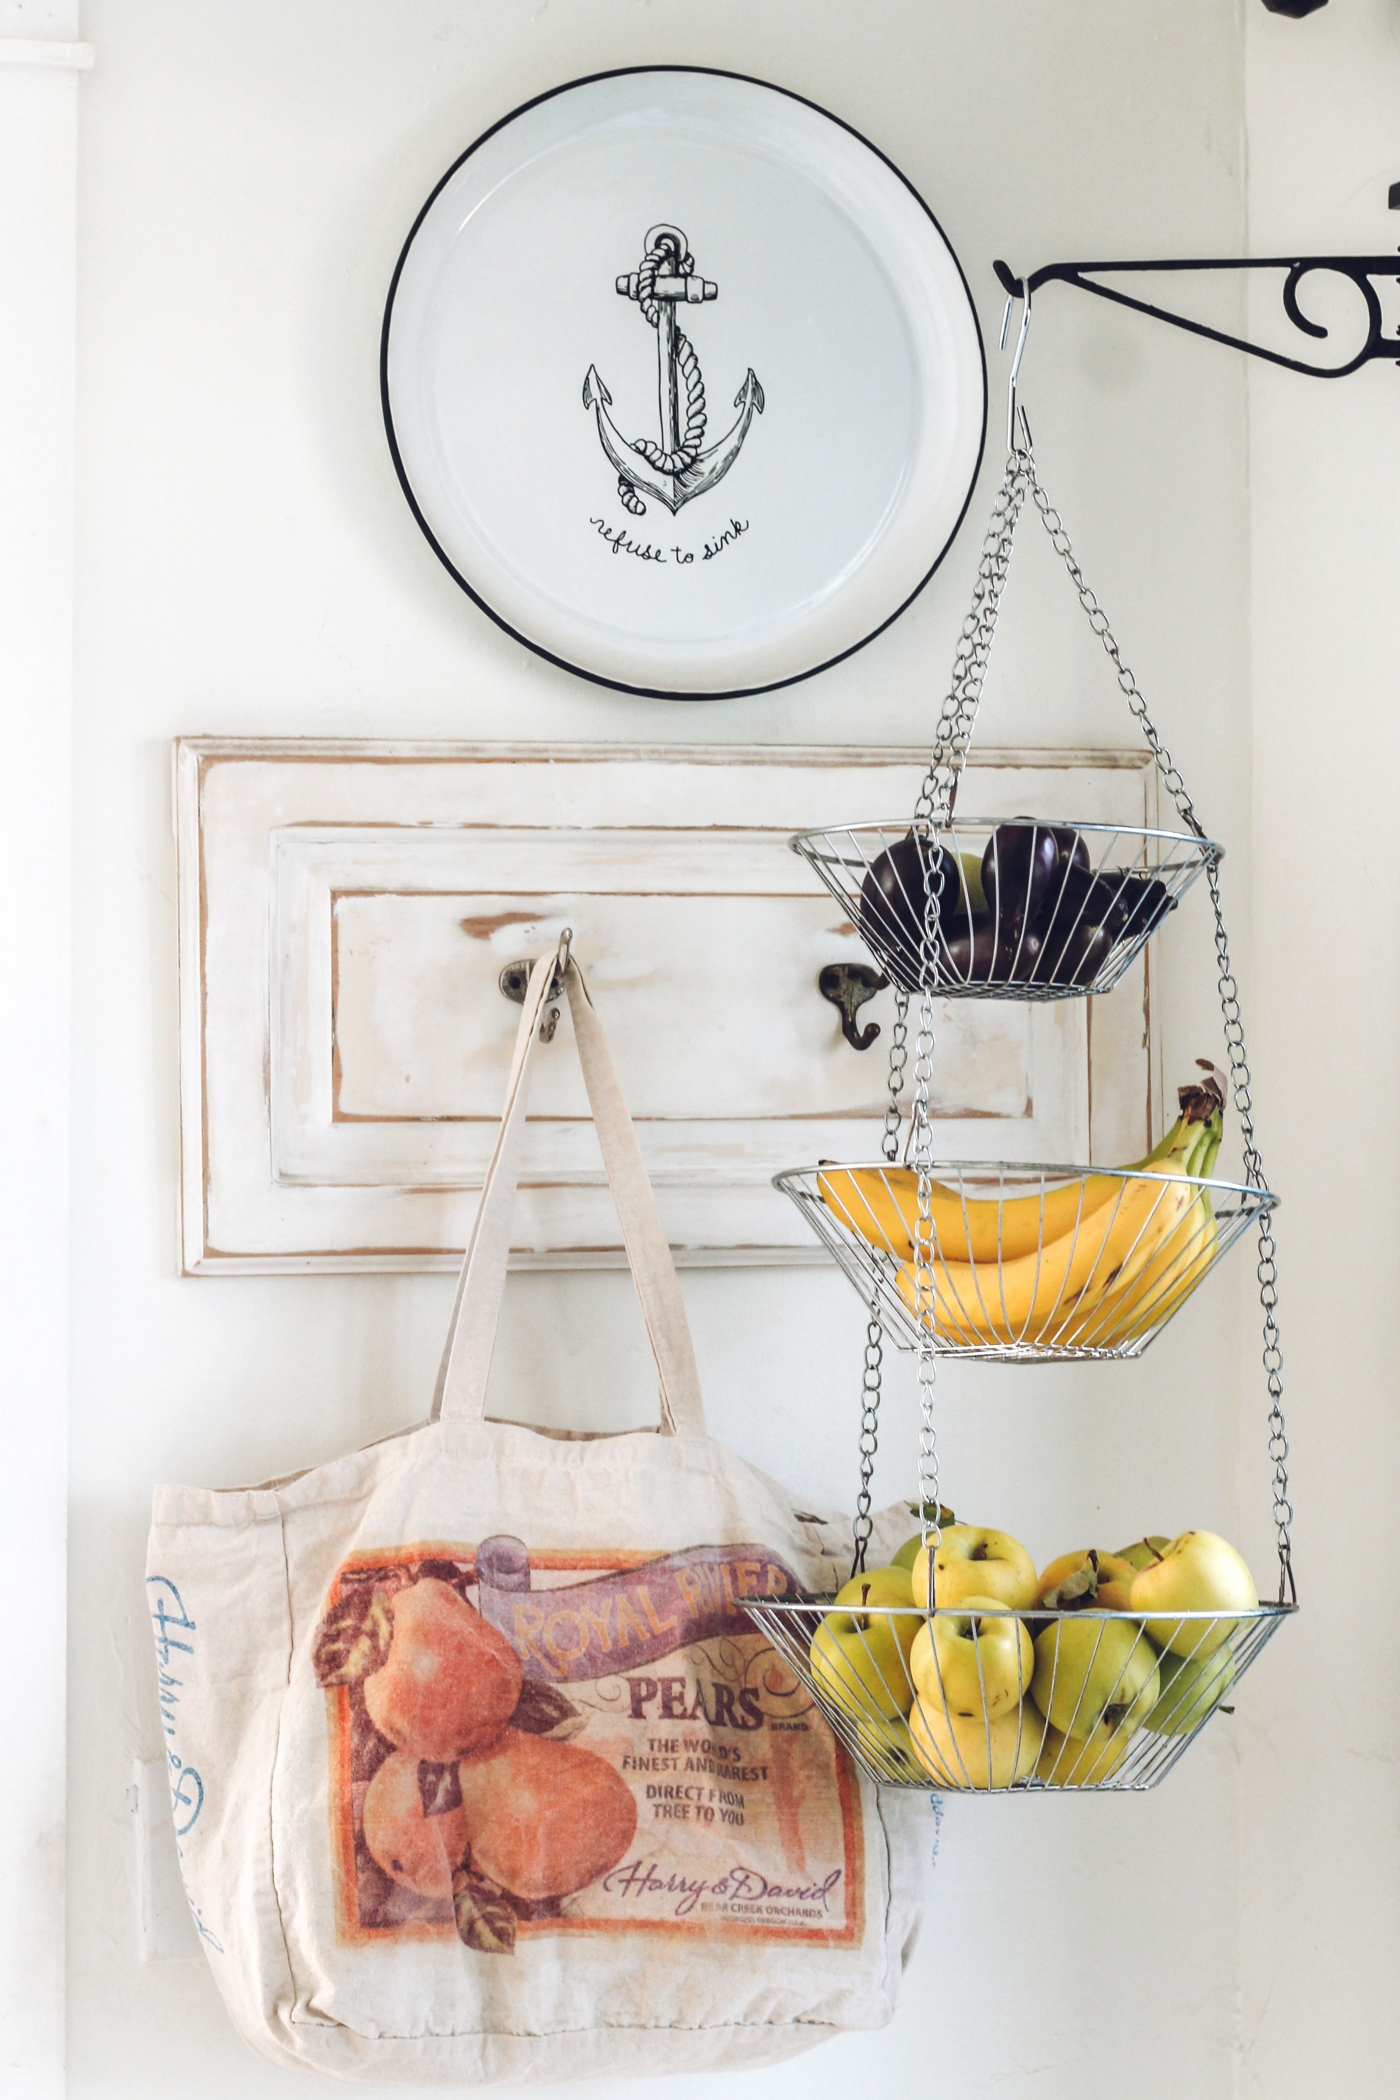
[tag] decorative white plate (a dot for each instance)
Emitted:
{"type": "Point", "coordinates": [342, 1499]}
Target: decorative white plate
{"type": "Point", "coordinates": [683, 382]}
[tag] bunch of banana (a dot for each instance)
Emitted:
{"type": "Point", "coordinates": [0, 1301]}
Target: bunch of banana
{"type": "Point", "coordinates": [1096, 1262]}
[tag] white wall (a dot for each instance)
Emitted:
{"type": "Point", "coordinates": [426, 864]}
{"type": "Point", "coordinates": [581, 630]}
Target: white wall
{"type": "Point", "coordinates": [247, 564]}
{"type": "Point", "coordinates": [38, 164]}
{"type": "Point", "coordinates": [1319, 1883]}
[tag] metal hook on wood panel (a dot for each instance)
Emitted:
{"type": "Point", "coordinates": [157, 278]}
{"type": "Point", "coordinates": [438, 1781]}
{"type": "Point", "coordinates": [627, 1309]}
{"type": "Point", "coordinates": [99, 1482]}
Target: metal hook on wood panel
{"type": "Point", "coordinates": [848, 986]}
{"type": "Point", "coordinates": [514, 981]}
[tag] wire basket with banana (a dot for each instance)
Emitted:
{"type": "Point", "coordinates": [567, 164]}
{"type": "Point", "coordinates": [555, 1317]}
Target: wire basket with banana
{"type": "Point", "coordinates": [1038, 1262]}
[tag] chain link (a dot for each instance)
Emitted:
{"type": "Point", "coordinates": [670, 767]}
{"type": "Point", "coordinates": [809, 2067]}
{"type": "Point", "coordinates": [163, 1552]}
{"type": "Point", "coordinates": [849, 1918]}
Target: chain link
{"type": "Point", "coordinates": [1267, 1269]}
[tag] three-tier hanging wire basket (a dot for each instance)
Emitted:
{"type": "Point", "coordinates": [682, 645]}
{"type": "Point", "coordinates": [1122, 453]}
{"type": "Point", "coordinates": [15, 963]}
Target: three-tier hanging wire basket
{"type": "Point", "coordinates": [1025, 1263]}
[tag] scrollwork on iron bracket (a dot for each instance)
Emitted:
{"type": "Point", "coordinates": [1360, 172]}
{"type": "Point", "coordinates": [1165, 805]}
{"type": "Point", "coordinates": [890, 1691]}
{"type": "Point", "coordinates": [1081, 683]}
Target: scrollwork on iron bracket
{"type": "Point", "coordinates": [1364, 271]}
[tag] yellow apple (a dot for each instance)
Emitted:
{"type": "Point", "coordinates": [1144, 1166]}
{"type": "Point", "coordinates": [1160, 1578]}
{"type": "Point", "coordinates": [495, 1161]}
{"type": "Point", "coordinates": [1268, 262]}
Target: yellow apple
{"type": "Point", "coordinates": [973, 1562]}
{"type": "Point", "coordinates": [1142, 1552]}
{"type": "Point", "coordinates": [1102, 1580]}
{"type": "Point", "coordinates": [1192, 1687]}
{"type": "Point", "coordinates": [1089, 1670]}
{"type": "Point", "coordinates": [877, 1588]}
{"type": "Point", "coordinates": [960, 1752]}
{"type": "Point", "coordinates": [1198, 1572]}
{"type": "Point", "coordinates": [890, 1749]}
{"type": "Point", "coordinates": [1063, 1761]}
{"type": "Point", "coordinates": [859, 1655]}
{"type": "Point", "coordinates": [969, 1665]}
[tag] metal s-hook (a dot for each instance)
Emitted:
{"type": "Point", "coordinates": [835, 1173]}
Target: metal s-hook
{"type": "Point", "coordinates": [1023, 292]}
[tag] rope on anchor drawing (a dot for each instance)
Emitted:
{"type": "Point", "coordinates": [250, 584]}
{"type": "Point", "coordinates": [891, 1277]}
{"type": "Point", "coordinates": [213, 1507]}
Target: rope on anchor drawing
{"type": "Point", "coordinates": [666, 248]}
{"type": "Point", "coordinates": [678, 468]}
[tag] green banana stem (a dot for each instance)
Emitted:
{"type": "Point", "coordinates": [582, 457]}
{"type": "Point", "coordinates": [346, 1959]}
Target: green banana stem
{"type": "Point", "coordinates": [1195, 1135]}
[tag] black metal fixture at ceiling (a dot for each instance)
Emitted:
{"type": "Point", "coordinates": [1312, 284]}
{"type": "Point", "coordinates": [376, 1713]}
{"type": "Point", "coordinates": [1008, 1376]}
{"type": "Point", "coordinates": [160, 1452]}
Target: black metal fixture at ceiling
{"type": "Point", "coordinates": [1364, 271]}
{"type": "Point", "coordinates": [1296, 8]}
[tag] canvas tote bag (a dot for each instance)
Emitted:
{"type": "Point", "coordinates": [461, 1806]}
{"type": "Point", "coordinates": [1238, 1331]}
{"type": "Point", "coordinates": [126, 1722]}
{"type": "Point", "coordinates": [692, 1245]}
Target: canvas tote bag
{"type": "Point", "coordinates": [479, 1773]}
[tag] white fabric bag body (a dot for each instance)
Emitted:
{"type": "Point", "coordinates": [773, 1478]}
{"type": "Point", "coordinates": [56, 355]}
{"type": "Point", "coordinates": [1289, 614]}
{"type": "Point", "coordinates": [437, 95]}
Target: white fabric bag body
{"type": "Point", "coordinates": [479, 1772]}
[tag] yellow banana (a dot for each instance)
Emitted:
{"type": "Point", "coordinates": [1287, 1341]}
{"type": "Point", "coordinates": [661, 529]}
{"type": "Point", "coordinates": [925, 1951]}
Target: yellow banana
{"type": "Point", "coordinates": [1056, 1294]}
{"type": "Point", "coordinates": [1161, 1286]}
{"type": "Point", "coordinates": [1132, 1308]}
{"type": "Point", "coordinates": [882, 1205]}
{"type": "Point", "coordinates": [1049, 1296]}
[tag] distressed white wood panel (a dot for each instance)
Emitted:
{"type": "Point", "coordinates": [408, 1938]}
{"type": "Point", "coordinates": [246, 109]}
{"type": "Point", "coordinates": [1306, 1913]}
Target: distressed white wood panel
{"type": "Point", "coordinates": [345, 914]}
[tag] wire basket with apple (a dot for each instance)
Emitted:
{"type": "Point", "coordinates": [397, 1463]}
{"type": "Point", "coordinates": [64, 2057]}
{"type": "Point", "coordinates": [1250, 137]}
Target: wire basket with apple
{"type": "Point", "coordinates": [978, 909]}
{"type": "Point", "coordinates": [1099, 1672]}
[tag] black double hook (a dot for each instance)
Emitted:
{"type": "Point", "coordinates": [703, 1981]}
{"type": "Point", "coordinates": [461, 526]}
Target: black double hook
{"type": "Point", "coordinates": [848, 986]}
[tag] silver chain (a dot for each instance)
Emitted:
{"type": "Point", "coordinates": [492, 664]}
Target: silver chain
{"type": "Point", "coordinates": [869, 1429]}
{"type": "Point", "coordinates": [874, 1328]}
{"type": "Point", "coordinates": [959, 711]}
{"type": "Point", "coordinates": [1267, 1269]}
{"type": "Point", "coordinates": [1098, 620]}
{"type": "Point", "coordinates": [875, 1331]}
{"type": "Point", "coordinates": [899, 1058]}
{"type": "Point", "coordinates": [931, 1529]}
{"type": "Point", "coordinates": [934, 811]}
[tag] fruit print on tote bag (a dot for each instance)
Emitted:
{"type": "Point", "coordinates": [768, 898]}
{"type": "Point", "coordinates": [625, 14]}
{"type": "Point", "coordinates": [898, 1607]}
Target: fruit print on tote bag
{"type": "Point", "coordinates": [481, 1772]}
{"type": "Point", "coordinates": [585, 1752]}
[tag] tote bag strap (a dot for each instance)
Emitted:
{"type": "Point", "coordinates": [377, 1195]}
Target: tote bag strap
{"type": "Point", "coordinates": [466, 1364]}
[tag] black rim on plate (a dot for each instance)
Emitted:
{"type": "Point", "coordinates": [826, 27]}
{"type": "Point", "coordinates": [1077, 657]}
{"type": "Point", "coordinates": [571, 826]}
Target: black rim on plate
{"type": "Point", "coordinates": [622, 685]}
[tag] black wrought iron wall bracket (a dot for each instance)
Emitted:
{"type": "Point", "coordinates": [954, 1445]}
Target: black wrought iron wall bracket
{"type": "Point", "coordinates": [1364, 271]}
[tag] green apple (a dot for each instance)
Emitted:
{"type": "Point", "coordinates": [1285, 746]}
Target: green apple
{"type": "Point", "coordinates": [973, 1562]}
{"type": "Point", "coordinates": [1199, 1572]}
{"type": "Point", "coordinates": [1089, 1670]}
{"type": "Point", "coordinates": [1192, 1687]}
{"type": "Point", "coordinates": [974, 897]}
{"type": "Point", "coordinates": [1063, 1761]}
{"type": "Point", "coordinates": [971, 1665]}
{"type": "Point", "coordinates": [860, 1654]}
{"type": "Point", "coordinates": [977, 1752]}
{"type": "Point", "coordinates": [1143, 1552]}
{"type": "Point", "coordinates": [912, 1548]}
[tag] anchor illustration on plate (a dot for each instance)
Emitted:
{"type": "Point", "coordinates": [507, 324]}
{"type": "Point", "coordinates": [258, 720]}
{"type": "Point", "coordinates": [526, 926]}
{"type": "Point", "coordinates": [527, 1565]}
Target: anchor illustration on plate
{"type": "Point", "coordinates": [680, 467]}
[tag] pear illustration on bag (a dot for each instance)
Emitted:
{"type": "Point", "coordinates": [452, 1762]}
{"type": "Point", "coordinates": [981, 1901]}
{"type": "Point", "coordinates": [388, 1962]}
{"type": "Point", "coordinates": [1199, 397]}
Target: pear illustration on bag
{"type": "Point", "coordinates": [450, 1682]}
